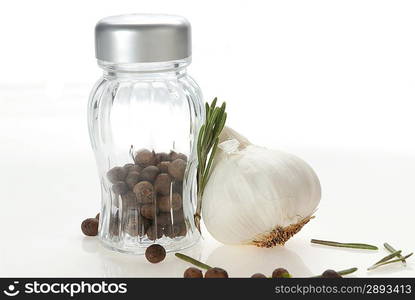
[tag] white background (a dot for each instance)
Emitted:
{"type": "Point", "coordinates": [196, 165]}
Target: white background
{"type": "Point", "coordinates": [330, 81]}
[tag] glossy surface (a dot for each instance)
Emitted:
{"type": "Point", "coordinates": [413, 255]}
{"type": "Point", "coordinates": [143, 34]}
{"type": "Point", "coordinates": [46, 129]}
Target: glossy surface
{"type": "Point", "coordinates": [367, 197]}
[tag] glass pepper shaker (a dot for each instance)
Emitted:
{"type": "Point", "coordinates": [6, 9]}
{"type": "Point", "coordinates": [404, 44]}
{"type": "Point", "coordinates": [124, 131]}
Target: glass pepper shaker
{"type": "Point", "coordinates": [144, 115]}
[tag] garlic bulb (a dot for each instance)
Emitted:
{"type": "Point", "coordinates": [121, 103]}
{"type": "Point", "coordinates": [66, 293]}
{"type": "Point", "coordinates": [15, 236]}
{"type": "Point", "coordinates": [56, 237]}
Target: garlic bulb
{"type": "Point", "coordinates": [257, 196]}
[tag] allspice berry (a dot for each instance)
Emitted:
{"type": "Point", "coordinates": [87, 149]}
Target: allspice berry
{"type": "Point", "coordinates": [258, 275]}
{"type": "Point", "coordinates": [145, 158]}
{"type": "Point", "coordinates": [216, 273]}
{"type": "Point", "coordinates": [120, 188]}
{"type": "Point", "coordinates": [183, 230]}
{"type": "Point", "coordinates": [163, 166]}
{"type": "Point", "coordinates": [172, 231]}
{"type": "Point", "coordinates": [149, 211]}
{"type": "Point", "coordinates": [132, 168]}
{"type": "Point", "coordinates": [177, 168]}
{"type": "Point", "coordinates": [164, 219]}
{"type": "Point", "coordinates": [132, 179]}
{"type": "Point", "coordinates": [114, 227]}
{"type": "Point", "coordinates": [144, 191]}
{"type": "Point", "coordinates": [168, 203]}
{"type": "Point", "coordinates": [175, 155]}
{"type": "Point", "coordinates": [154, 232]}
{"type": "Point", "coordinates": [149, 173]}
{"type": "Point", "coordinates": [162, 156]}
{"type": "Point", "coordinates": [129, 200]}
{"type": "Point", "coordinates": [178, 215]}
{"type": "Point", "coordinates": [162, 184]}
{"type": "Point", "coordinates": [178, 187]}
{"type": "Point", "coordinates": [116, 174]}
{"type": "Point", "coordinates": [280, 273]}
{"type": "Point", "coordinates": [90, 227]}
{"type": "Point", "coordinates": [192, 273]}
{"type": "Point", "coordinates": [137, 225]}
{"type": "Point", "coordinates": [331, 274]}
{"type": "Point", "coordinates": [155, 253]}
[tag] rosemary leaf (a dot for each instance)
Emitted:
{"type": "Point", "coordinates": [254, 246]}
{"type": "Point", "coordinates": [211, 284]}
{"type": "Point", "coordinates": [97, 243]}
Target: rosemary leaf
{"type": "Point", "coordinates": [390, 262]}
{"type": "Point", "coordinates": [345, 245]}
{"type": "Point", "coordinates": [193, 261]}
{"type": "Point", "coordinates": [386, 258]}
{"type": "Point", "coordinates": [392, 250]}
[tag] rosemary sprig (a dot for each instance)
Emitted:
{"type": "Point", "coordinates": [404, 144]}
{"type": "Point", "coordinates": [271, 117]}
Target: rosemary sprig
{"type": "Point", "coordinates": [193, 261]}
{"type": "Point", "coordinates": [386, 258]}
{"type": "Point", "coordinates": [390, 262]}
{"type": "Point", "coordinates": [345, 245]}
{"type": "Point", "coordinates": [392, 250]}
{"type": "Point", "coordinates": [207, 144]}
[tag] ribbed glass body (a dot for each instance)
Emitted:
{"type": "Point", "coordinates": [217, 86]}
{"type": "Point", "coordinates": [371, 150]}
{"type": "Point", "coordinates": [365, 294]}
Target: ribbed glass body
{"type": "Point", "coordinates": [143, 123]}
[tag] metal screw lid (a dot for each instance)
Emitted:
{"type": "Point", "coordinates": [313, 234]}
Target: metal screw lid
{"type": "Point", "coordinates": [139, 38]}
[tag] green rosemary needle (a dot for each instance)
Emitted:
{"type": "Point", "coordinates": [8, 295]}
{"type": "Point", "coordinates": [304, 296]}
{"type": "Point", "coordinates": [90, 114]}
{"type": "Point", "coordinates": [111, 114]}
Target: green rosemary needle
{"type": "Point", "coordinates": [345, 245]}
{"type": "Point", "coordinates": [386, 258]}
{"type": "Point", "coordinates": [207, 144]}
{"type": "Point", "coordinates": [392, 250]}
{"type": "Point", "coordinates": [193, 261]}
{"type": "Point", "coordinates": [390, 262]}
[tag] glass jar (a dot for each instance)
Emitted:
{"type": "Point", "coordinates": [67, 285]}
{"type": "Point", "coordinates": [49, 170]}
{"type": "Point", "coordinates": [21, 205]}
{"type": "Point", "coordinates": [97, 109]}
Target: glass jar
{"type": "Point", "coordinates": [144, 115]}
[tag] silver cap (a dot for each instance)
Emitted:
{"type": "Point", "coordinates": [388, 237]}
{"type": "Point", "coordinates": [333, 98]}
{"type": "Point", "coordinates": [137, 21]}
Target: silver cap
{"type": "Point", "coordinates": [139, 38]}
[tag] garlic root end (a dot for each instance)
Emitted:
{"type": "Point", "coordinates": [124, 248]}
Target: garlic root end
{"type": "Point", "coordinates": [279, 235]}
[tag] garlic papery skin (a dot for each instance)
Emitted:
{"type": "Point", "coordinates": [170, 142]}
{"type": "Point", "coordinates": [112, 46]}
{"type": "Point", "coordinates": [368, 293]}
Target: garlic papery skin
{"type": "Point", "coordinates": [256, 195]}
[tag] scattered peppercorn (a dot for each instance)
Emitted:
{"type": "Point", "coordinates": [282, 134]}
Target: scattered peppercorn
{"type": "Point", "coordinates": [90, 227]}
{"type": "Point", "coordinates": [145, 158]}
{"type": "Point", "coordinates": [216, 273]}
{"type": "Point", "coordinates": [155, 253]}
{"type": "Point", "coordinates": [144, 192]}
{"type": "Point", "coordinates": [280, 273]}
{"type": "Point", "coordinates": [192, 273]}
{"type": "Point", "coordinates": [258, 275]}
{"type": "Point", "coordinates": [331, 274]}
{"type": "Point", "coordinates": [116, 174]}
{"type": "Point", "coordinates": [177, 168]}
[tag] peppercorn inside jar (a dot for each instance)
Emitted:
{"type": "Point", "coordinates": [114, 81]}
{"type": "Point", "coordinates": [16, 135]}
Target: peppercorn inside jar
{"type": "Point", "coordinates": [144, 116]}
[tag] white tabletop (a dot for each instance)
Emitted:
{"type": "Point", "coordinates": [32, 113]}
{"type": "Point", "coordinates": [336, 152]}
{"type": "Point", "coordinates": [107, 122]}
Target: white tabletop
{"type": "Point", "coordinates": [49, 185]}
